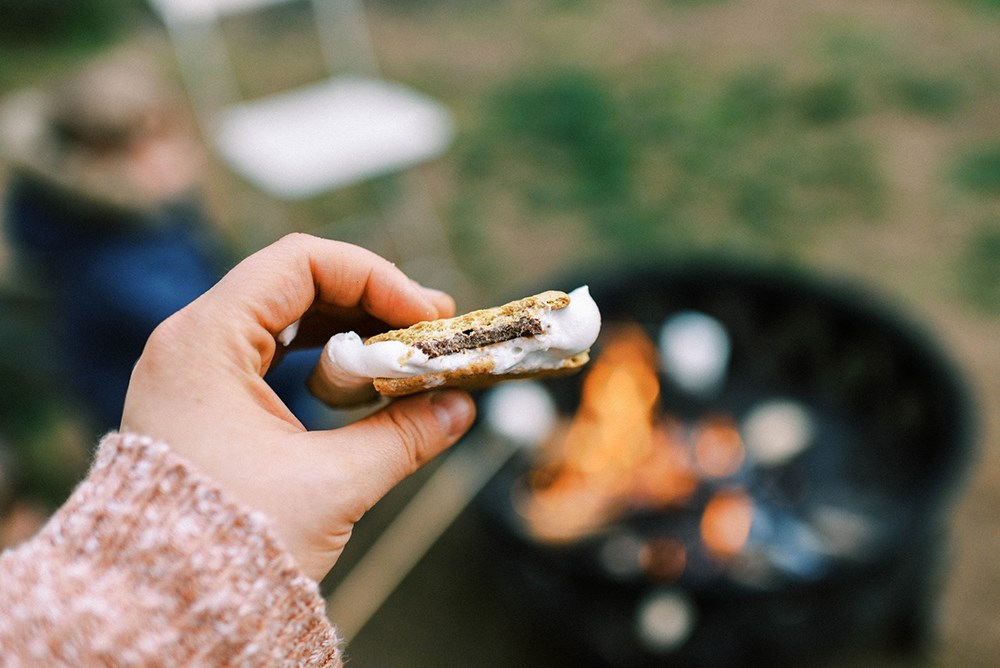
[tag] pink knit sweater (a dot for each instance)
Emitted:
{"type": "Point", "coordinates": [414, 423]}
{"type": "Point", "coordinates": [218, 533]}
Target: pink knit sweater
{"type": "Point", "coordinates": [149, 563]}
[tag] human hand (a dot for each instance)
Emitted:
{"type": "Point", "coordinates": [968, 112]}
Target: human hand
{"type": "Point", "coordinates": [199, 387]}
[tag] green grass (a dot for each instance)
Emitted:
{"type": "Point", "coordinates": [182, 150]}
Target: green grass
{"type": "Point", "coordinates": [828, 100]}
{"type": "Point", "coordinates": [42, 39]}
{"type": "Point", "coordinates": [979, 268]}
{"type": "Point", "coordinates": [938, 97]}
{"type": "Point", "coordinates": [668, 159]}
{"type": "Point", "coordinates": [992, 7]}
{"type": "Point", "coordinates": [569, 121]}
{"type": "Point", "coordinates": [978, 170]}
{"type": "Point", "coordinates": [693, 3]}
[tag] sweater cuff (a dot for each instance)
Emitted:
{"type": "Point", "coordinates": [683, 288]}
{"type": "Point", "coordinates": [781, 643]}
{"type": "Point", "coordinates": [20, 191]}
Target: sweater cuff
{"type": "Point", "coordinates": [206, 575]}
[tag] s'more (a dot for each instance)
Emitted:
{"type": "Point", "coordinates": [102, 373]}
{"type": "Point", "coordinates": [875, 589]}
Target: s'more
{"type": "Point", "coordinates": [547, 334]}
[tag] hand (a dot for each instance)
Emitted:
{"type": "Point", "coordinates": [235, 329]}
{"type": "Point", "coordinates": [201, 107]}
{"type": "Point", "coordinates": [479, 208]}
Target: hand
{"type": "Point", "coordinates": [198, 387]}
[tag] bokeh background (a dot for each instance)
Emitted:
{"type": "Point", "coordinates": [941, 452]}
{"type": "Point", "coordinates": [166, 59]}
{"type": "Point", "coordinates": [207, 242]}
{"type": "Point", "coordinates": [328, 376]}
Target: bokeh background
{"type": "Point", "coordinates": [851, 139]}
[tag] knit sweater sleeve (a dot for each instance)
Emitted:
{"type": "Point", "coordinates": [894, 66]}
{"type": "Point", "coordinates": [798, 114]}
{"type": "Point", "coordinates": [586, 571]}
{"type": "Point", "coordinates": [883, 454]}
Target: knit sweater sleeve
{"type": "Point", "coordinates": [150, 563]}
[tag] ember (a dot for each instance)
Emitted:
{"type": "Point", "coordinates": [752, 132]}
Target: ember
{"type": "Point", "coordinates": [725, 525]}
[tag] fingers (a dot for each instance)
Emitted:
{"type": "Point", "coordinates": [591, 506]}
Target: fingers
{"type": "Point", "coordinates": [323, 320]}
{"type": "Point", "coordinates": [276, 285]}
{"type": "Point", "coordinates": [442, 301]}
{"type": "Point", "coordinates": [383, 449]}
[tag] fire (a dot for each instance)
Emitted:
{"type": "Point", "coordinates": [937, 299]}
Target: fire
{"type": "Point", "coordinates": [621, 453]}
{"type": "Point", "coordinates": [725, 525]}
{"type": "Point", "coordinates": [665, 476]}
{"type": "Point", "coordinates": [617, 453]}
{"type": "Point", "coordinates": [613, 429]}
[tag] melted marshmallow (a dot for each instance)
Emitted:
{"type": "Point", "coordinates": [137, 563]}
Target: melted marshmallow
{"type": "Point", "coordinates": [347, 362]}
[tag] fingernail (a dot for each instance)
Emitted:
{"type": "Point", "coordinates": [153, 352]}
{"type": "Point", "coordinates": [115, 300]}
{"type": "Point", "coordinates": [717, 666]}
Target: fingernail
{"type": "Point", "coordinates": [454, 411]}
{"type": "Point", "coordinates": [426, 296]}
{"type": "Point", "coordinates": [443, 302]}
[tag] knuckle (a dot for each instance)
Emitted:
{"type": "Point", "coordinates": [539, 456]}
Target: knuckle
{"type": "Point", "coordinates": [291, 245]}
{"type": "Point", "coordinates": [185, 335]}
{"type": "Point", "coordinates": [295, 239]}
{"type": "Point", "coordinates": [165, 336]}
{"type": "Point", "coordinates": [160, 350]}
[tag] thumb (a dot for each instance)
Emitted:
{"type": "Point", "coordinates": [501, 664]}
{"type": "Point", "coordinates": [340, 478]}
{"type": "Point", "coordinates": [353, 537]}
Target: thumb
{"type": "Point", "coordinates": [393, 443]}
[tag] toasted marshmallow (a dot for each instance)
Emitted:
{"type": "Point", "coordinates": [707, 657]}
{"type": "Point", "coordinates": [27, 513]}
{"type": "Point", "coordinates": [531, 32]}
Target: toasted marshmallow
{"type": "Point", "coordinates": [560, 334]}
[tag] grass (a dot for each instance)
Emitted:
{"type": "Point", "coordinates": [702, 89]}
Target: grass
{"type": "Point", "coordinates": [675, 152]}
{"type": "Point", "coordinates": [938, 97]}
{"type": "Point", "coordinates": [568, 121]}
{"type": "Point", "coordinates": [693, 3]}
{"type": "Point", "coordinates": [990, 6]}
{"type": "Point", "coordinates": [978, 170]}
{"type": "Point", "coordinates": [979, 268]}
{"type": "Point", "coordinates": [646, 164]}
{"type": "Point", "coordinates": [41, 39]}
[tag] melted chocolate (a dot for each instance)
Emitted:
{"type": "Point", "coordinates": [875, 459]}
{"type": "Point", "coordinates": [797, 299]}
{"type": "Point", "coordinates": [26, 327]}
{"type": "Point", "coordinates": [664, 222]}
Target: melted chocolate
{"type": "Point", "coordinates": [482, 336]}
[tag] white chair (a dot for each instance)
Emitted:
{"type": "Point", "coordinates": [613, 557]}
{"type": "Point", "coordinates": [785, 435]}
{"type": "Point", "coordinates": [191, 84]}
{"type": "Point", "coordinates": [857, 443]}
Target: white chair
{"type": "Point", "coordinates": [314, 138]}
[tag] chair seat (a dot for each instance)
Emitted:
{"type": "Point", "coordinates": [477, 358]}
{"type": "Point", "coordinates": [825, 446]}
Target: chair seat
{"type": "Point", "coordinates": [329, 135]}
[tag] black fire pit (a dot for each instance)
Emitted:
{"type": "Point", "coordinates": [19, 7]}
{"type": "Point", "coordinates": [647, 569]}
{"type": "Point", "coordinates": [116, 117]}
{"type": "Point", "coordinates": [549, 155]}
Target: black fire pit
{"type": "Point", "coordinates": [855, 431]}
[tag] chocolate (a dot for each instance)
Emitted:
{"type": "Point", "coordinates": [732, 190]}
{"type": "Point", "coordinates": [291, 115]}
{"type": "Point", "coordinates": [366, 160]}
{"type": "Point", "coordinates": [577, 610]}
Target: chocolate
{"type": "Point", "coordinates": [482, 336]}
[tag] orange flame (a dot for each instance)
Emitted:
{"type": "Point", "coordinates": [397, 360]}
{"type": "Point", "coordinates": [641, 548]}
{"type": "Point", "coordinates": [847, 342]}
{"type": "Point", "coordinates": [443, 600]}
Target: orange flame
{"type": "Point", "coordinates": [664, 477]}
{"type": "Point", "coordinates": [615, 453]}
{"type": "Point", "coordinates": [613, 429]}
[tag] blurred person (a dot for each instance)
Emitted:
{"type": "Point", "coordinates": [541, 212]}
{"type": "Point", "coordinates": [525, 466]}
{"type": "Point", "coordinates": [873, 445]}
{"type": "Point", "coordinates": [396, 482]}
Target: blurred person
{"type": "Point", "coordinates": [103, 208]}
{"type": "Point", "coordinates": [201, 531]}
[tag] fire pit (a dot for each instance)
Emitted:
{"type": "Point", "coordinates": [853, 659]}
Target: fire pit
{"type": "Point", "coordinates": [754, 468]}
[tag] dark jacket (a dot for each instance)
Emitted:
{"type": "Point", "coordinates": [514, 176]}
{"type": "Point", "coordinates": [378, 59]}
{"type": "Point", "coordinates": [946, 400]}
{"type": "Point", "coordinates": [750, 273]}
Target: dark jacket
{"type": "Point", "coordinates": [113, 275]}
